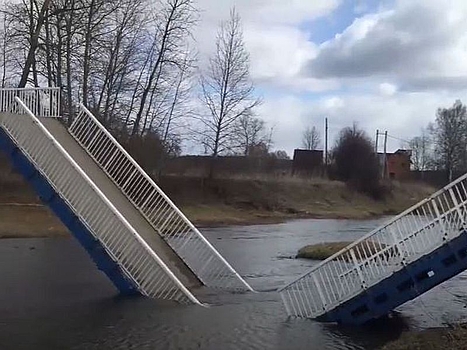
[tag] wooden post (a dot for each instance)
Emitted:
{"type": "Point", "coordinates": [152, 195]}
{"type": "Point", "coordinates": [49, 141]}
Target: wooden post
{"type": "Point", "coordinates": [385, 155]}
{"type": "Point", "coordinates": [376, 142]}
{"type": "Point", "coordinates": [326, 146]}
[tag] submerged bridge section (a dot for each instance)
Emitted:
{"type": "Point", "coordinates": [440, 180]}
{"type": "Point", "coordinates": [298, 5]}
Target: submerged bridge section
{"type": "Point", "coordinates": [131, 229]}
{"type": "Point", "coordinates": [409, 255]}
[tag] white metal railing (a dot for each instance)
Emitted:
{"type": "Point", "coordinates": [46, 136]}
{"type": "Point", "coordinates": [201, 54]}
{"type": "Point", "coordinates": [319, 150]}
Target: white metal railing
{"type": "Point", "coordinates": [125, 246]}
{"type": "Point", "coordinates": [164, 216]}
{"type": "Point", "coordinates": [416, 232]}
{"type": "Point", "coordinates": [42, 102]}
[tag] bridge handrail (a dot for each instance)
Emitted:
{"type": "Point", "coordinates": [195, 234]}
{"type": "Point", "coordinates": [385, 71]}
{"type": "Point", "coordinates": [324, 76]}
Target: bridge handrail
{"type": "Point", "coordinates": [396, 243]}
{"type": "Point", "coordinates": [159, 210]}
{"type": "Point", "coordinates": [386, 224]}
{"type": "Point", "coordinates": [43, 102]}
{"type": "Point", "coordinates": [100, 212]}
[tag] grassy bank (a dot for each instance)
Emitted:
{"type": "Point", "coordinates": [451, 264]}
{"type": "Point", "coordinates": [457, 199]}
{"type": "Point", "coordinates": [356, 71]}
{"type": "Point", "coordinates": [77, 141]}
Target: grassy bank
{"type": "Point", "coordinates": [431, 339]}
{"type": "Point", "coordinates": [218, 202]}
{"type": "Point", "coordinates": [29, 220]}
{"type": "Point", "coordinates": [251, 200]}
{"type": "Point", "coordinates": [321, 251]}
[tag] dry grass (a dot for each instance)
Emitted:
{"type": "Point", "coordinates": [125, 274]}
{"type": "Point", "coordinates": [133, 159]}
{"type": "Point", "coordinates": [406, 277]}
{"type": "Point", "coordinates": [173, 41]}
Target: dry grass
{"type": "Point", "coordinates": [431, 339]}
{"type": "Point", "coordinates": [322, 251]}
{"type": "Point", "coordinates": [21, 214]}
{"type": "Point", "coordinates": [29, 221]}
{"type": "Point", "coordinates": [223, 215]}
{"type": "Point", "coordinates": [288, 196]}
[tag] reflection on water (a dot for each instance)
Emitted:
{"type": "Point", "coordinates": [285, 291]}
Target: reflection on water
{"type": "Point", "coordinates": [52, 297]}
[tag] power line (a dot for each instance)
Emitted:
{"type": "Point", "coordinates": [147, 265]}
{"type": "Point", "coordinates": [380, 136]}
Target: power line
{"type": "Point", "coordinates": [398, 138]}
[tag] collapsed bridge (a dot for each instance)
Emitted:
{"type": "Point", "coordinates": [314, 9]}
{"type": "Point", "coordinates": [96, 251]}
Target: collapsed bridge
{"type": "Point", "coordinates": [130, 228]}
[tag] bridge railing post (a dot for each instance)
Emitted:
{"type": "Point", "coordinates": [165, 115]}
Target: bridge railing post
{"type": "Point", "coordinates": [457, 205]}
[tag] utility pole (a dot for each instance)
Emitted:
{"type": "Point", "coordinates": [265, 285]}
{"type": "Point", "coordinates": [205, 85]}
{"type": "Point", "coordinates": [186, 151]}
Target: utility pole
{"type": "Point", "coordinates": [326, 145]}
{"type": "Point", "coordinates": [376, 142]}
{"type": "Point", "coordinates": [385, 155]}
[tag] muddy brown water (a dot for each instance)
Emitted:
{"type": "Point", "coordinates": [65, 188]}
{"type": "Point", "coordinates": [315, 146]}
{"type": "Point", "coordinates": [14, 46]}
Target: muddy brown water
{"type": "Point", "coordinates": [52, 297]}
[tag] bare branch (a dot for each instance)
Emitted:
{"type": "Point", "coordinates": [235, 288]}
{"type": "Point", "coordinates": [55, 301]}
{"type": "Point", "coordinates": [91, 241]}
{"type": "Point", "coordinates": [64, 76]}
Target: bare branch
{"type": "Point", "coordinates": [311, 138]}
{"type": "Point", "coordinates": [227, 92]}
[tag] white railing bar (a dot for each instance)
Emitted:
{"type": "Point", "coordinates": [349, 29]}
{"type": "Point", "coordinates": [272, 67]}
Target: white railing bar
{"type": "Point", "coordinates": [51, 88]}
{"type": "Point", "coordinates": [110, 205]}
{"type": "Point", "coordinates": [174, 207]}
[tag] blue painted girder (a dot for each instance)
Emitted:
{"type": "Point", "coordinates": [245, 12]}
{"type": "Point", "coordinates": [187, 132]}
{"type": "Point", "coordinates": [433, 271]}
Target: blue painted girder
{"type": "Point", "coordinates": [404, 285]}
{"type": "Point", "coordinates": [61, 209]}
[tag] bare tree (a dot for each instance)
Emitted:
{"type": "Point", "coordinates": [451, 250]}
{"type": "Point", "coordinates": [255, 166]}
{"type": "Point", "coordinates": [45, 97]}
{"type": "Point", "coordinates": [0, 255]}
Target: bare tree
{"type": "Point", "coordinates": [36, 24]}
{"type": "Point", "coordinates": [250, 133]}
{"type": "Point", "coordinates": [227, 91]}
{"type": "Point", "coordinates": [280, 154]}
{"type": "Point", "coordinates": [97, 14]}
{"type": "Point", "coordinates": [118, 52]}
{"type": "Point", "coordinates": [421, 155]}
{"type": "Point", "coordinates": [5, 47]}
{"type": "Point", "coordinates": [170, 124]}
{"type": "Point", "coordinates": [450, 137]}
{"type": "Point", "coordinates": [173, 24]}
{"type": "Point", "coordinates": [29, 21]}
{"type": "Point", "coordinates": [311, 138]}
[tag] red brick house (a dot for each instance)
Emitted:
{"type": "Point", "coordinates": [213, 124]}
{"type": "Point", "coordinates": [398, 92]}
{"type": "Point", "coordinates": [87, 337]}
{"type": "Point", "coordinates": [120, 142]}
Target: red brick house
{"type": "Point", "coordinates": [397, 164]}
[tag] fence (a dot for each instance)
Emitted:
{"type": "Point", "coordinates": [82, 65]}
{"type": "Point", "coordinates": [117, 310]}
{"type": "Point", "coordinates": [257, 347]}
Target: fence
{"type": "Point", "coordinates": [42, 102]}
{"type": "Point", "coordinates": [164, 216]}
{"type": "Point", "coordinates": [410, 235]}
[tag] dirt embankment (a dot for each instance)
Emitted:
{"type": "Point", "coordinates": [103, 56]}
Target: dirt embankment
{"type": "Point", "coordinates": [219, 202]}
{"type": "Point", "coordinates": [238, 200]}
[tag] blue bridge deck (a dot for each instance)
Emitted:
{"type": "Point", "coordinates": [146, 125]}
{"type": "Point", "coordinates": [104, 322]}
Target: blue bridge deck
{"type": "Point", "coordinates": [404, 285]}
{"type": "Point", "coordinates": [407, 256]}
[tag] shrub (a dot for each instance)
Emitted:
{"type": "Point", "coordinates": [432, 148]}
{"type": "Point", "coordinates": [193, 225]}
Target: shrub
{"type": "Point", "coordinates": [355, 162]}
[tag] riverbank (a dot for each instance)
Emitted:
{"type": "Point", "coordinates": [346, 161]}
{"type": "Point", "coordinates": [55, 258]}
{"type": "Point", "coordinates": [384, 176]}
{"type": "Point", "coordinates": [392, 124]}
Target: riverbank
{"type": "Point", "coordinates": [221, 202]}
{"type": "Point", "coordinates": [27, 220]}
{"type": "Point", "coordinates": [454, 337]}
{"type": "Point", "coordinates": [258, 200]}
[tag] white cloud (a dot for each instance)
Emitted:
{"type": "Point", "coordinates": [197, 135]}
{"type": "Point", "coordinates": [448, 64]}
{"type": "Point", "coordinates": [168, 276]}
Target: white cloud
{"type": "Point", "coordinates": [268, 11]}
{"type": "Point", "coordinates": [279, 48]}
{"type": "Point", "coordinates": [420, 43]}
{"type": "Point", "coordinates": [285, 115]}
{"type": "Point", "coordinates": [387, 89]}
{"type": "Point", "coordinates": [278, 55]}
{"type": "Point", "coordinates": [333, 103]}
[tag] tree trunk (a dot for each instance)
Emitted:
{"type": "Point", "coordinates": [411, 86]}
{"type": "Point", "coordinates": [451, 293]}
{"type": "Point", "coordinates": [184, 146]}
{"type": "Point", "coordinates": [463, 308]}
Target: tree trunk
{"type": "Point", "coordinates": [34, 43]}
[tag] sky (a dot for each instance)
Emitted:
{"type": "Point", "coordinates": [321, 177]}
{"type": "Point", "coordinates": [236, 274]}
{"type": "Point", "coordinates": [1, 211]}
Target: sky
{"type": "Point", "coordinates": [385, 64]}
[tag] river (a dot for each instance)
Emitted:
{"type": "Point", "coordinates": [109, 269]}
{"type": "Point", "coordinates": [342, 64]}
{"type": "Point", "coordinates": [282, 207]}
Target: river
{"type": "Point", "coordinates": [53, 297]}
